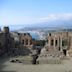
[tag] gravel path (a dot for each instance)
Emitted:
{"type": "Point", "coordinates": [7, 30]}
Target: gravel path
{"type": "Point", "coordinates": [19, 67]}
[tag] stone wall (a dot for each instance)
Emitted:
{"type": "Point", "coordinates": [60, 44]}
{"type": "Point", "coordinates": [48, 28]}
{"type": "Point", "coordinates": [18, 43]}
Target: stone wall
{"type": "Point", "coordinates": [25, 40]}
{"type": "Point", "coordinates": [6, 41]}
{"type": "Point", "coordinates": [61, 41]}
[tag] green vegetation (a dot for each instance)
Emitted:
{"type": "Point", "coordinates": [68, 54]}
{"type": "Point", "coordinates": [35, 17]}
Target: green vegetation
{"type": "Point", "coordinates": [40, 42]}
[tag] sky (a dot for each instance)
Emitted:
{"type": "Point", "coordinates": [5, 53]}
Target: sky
{"type": "Point", "coordinates": [25, 12]}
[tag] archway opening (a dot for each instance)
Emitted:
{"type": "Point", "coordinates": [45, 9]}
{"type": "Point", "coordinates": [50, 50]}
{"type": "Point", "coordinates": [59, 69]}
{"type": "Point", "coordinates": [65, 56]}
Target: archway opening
{"type": "Point", "coordinates": [65, 51]}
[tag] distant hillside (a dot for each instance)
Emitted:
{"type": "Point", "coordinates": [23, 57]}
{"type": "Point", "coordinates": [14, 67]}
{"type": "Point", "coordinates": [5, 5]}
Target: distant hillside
{"type": "Point", "coordinates": [48, 25]}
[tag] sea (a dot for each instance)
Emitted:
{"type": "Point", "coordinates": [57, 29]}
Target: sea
{"type": "Point", "coordinates": [34, 35]}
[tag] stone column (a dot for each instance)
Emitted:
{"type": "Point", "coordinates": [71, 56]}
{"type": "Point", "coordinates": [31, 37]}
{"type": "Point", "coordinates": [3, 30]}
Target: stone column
{"type": "Point", "coordinates": [61, 43]}
{"type": "Point", "coordinates": [49, 42]}
{"type": "Point", "coordinates": [28, 41]}
{"type": "Point", "coordinates": [24, 42]}
{"type": "Point", "coordinates": [58, 43]}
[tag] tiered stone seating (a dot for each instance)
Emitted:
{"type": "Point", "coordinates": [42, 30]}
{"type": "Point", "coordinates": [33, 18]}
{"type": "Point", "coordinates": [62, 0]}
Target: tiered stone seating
{"type": "Point", "coordinates": [50, 57]}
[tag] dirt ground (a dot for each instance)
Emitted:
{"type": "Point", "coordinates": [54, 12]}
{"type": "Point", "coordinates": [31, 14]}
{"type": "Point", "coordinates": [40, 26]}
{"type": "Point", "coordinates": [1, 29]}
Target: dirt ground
{"type": "Point", "coordinates": [7, 66]}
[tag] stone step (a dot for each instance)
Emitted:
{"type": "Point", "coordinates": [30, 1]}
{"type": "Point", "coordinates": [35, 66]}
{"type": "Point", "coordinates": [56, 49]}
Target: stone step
{"type": "Point", "coordinates": [49, 61]}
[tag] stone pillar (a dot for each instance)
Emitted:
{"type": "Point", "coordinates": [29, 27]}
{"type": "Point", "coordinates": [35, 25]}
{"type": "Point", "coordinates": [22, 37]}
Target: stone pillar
{"type": "Point", "coordinates": [67, 54]}
{"type": "Point", "coordinates": [58, 43]}
{"type": "Point", "coordinates": [24, 42]}
{"type": "Point", "coordinates": [29, 42]}
{"type": "Point", "coordinates": [49, 42]}
{"type": "Point", "coordinates": [61, 43]}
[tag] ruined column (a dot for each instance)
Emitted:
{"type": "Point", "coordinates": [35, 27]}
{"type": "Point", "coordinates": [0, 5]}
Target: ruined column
{"type": "Point", "coordinates": [61, 43]}
{"type": "Point", "coordinates": [58, 42]}
{"type": "Point", "coordinates": [49, 42]}
{"type": "Point", "coordinates": [29, 42]}
{"type": "Point", "coordinates": [24, 42]}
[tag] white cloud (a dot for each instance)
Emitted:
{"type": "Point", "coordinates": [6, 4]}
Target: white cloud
{"type": "Point", "coordinates": [52, 17]}
{"type": "Point", "coordinates": [9, 19]}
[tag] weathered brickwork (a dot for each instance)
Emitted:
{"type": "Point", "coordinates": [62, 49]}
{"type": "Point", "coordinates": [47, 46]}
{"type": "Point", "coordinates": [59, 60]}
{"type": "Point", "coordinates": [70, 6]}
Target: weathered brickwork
{"type": "Point", "coordinates": [61, 41]}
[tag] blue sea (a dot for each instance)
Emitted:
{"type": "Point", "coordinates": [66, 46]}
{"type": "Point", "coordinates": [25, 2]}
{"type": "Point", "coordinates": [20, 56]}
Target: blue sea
{"type": "Point", "coordinates": [34, 35]}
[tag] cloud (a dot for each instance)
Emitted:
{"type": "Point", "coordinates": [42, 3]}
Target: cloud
{"type": "Point", "coordinates": [53, 17]}
{"type": "Point", "coordinates": [17, 19]}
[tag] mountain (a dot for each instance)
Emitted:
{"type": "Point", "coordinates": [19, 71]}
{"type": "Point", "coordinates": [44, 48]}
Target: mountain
{"type": "Point", "coordinates": [52, 25]}
{"type": "Point", "coordinates": [44, 27]}
{"type": "Point", "coordinates": [49, 25]}
{"type": "Point", "coordinates": [56, 24]}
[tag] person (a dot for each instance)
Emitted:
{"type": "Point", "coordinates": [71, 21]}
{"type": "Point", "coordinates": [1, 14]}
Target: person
{"type": "Point", "coordinates": [35, 55]}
